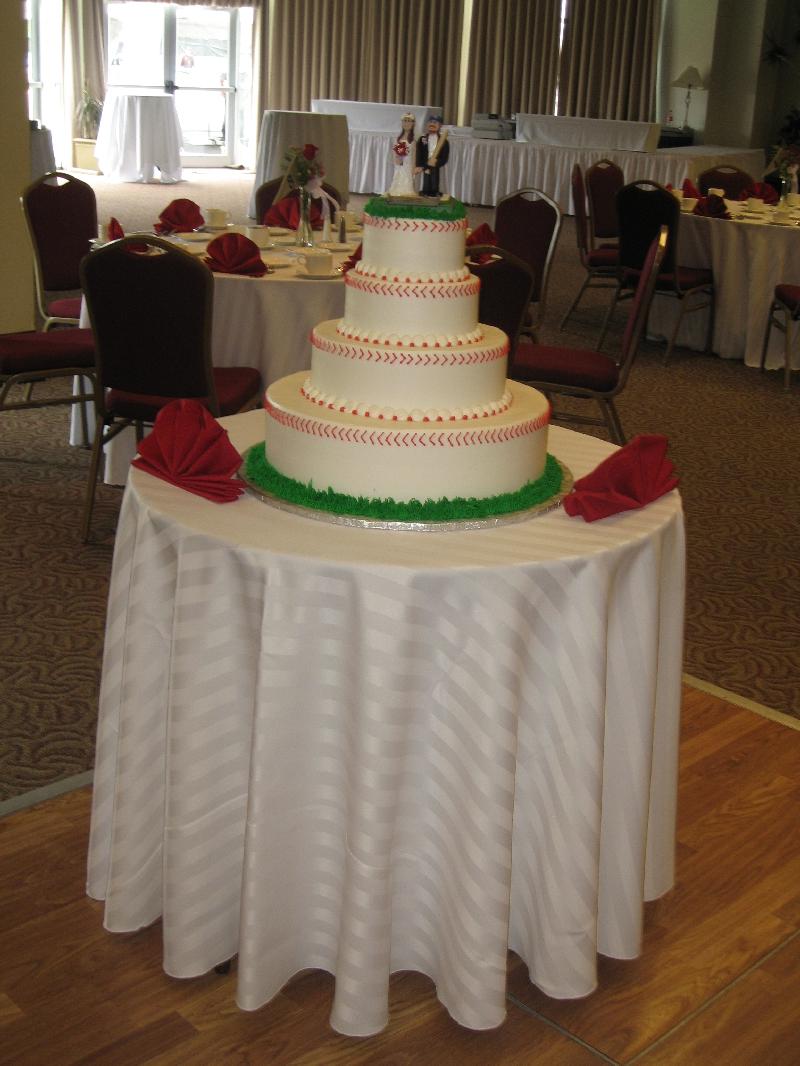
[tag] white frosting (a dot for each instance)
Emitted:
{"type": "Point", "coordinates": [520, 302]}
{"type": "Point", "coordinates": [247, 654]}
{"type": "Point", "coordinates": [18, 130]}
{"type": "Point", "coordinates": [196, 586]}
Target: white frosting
{"type": "Point", "coordinates": [427, 308]}
{"type": "Point", "coordinates": [385, 413]}
{"type": "Point", "coordinates": [393, 375]}
{"type": "Point", "coordinates": [364, 456]}
{"type": "Point", "coordinates": [414, 246]}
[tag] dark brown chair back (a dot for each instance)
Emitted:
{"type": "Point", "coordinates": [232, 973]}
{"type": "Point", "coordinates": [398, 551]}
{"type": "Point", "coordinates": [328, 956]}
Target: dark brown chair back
{"type": "Point", "coordinates": [643, 208]}
{"type": "Point", "coordinates": [635, 327]}
{"type": "Point", "coordinates": [61, 213]}
{"type": "Point", "coordinates": [527, 224]}
{"type": "Point", "coordinates": [579, 206]}
{"type": "Point", "coordinates": [506, 286]}
{"type": "Point", "coordinates": [603, 181]}
{"type": "Point", "coordinates": [733, 180]}
{"type": "Point", "coordinates": [150, 305]}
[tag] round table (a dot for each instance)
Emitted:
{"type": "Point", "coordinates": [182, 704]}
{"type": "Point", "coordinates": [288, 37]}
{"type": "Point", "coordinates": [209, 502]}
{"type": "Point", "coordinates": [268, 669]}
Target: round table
{"type": "Point", "coordinates": [367, 751]}
{"type": "Point", "coordinates": [139, 133]}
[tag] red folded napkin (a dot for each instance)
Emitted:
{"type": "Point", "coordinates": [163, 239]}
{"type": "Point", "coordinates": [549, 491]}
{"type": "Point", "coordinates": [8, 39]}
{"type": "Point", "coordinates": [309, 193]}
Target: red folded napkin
{"type": "Point", "coordinates": [286, 212]}
{"type": "Point", "coordinates": [484, 234]}
{"type": "Point", "coordinates": [180, 216]}
{"type": "Point", "coordinates": [233, 253]}
{"type": "Point", "coordinates": [635, 475]}
{"type": "Point", "coordinates": [190, 449]}
{"type": "Point", "coordinates": [690, 189]}
{"type": "Point", "coordinates": [712, 207]}
{"type": "Point", "coordinates": [115, 231]}
{"type": "Point", "coordinates": [761, 190]}
{"type": "Point", "coordinates": [351, 260]}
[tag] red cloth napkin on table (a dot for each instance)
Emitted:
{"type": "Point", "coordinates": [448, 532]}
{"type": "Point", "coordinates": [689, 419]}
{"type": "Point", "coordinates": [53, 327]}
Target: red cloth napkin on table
{"type": "Point", "coordinates": [233, 253]}
{"type": "Point", "coordinates": [712, 207]}
{"type": "Point", "coordinates": [760, 190]}
{"type": "Point", "coordinates": [484, 234]}
{"type": "Point", "coordinates": [179, 216]}
{"type": "Point", "coordinates": [286, 212]}
{"type": "Point", "coordinates": [635, 475]}
{"type": "Point", "coordinates": [190, 449]}
{"type": "Point", "coordinates": [115, 231]}
{"type": "Point", "coordinates": [351, 260]}
{"type": "Point", "coordinates": [690, 189]}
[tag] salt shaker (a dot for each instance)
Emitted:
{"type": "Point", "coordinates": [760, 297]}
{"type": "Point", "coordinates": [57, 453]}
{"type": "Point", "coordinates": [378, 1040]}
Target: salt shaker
{"type": "Point", "coordinates": [342, 230]}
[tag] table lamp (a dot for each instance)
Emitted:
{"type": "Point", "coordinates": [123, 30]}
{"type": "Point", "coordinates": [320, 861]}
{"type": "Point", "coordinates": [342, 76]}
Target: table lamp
{"type": "Point", "coordinates": [688, 80]}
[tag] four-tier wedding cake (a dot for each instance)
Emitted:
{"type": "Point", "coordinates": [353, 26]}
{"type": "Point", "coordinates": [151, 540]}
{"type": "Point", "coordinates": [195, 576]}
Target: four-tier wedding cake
{"type": "Point", "coordinates": [407, 397]}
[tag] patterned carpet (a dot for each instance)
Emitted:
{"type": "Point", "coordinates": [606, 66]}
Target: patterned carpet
{"type": "Point", "coordinates": [734, 438]}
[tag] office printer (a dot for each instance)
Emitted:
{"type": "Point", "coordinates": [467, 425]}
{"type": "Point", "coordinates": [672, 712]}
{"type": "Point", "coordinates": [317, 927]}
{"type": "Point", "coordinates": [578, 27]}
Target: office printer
{"type": "Point", "coordinates": [493, 127]}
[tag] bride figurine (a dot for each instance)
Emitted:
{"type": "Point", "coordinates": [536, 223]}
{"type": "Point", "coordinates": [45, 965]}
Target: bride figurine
{"type": "Point", "coordinates": [404, 157]}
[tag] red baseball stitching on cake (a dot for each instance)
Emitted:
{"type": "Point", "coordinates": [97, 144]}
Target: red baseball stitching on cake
{"type": "Point", "coordinates": [415, 225]}
{"type": "Point", "coordinates": [392, 416]}
{"type": "Point", "coordinates": [415, 290]}
{"type": "Point", "coordinates": [402, 439]}
{"type": "Point", "coordinates": [439, 357]}
{"type": "Point", "coordinates": [431, 342]}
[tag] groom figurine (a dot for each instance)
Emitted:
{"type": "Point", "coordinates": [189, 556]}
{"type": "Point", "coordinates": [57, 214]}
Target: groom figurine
{"type": "Point", "coordinates": [433, 151]}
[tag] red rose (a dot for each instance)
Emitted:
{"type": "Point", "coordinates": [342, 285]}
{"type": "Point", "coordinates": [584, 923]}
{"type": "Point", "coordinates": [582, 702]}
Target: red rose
{"type": "Point", "coordinates": [309, 151]}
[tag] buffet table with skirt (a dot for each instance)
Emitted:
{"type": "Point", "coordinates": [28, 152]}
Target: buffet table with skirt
{"type": "Point", "coordinates": [366, 751]}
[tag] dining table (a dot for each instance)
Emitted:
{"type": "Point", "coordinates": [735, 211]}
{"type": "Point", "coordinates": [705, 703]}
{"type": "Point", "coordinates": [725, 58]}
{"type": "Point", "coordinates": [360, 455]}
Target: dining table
{"type": "Point", "coordinates": [139, 138]}
{"type": "Point", "coordinates": [361, 750]}
{"type": "Point", "coordinates": [262, 322]}
{"type": "Point", "coordinates": [749, 254]}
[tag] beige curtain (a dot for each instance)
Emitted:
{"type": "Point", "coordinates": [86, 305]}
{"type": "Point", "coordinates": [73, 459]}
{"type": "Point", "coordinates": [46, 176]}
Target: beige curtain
{"type": "Point", "coordinates": [513, 57]}
{"type": "Point", "coordinates": [608, 59]}
{"type": "Point", "coordinates": [390, 51]}
{"type": "Point", "coordinates": [84, 52]}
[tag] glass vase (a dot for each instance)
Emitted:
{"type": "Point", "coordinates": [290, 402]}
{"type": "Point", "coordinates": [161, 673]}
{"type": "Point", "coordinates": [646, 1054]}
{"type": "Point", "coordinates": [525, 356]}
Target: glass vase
{"type": "Point", "coordinates": [304, 236]}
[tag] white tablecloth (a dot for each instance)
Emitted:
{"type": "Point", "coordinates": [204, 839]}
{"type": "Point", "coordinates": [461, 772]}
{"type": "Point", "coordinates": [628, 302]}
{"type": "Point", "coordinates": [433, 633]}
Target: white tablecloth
{"type": "Point", "coordinates": [381, 118]}
{"type": "Point", "coordinates": [566, 132]}
{"type": "Point", "coordinates": [139, 133]}
{"type": "Point", "coordinates": [367, 751]}
{"type": "Point", "coordinates": [482, 171]}
{"type": "Point", "coordinates": [261, 322]}
{"type": "Point", "coordinates": [282, 130]}
{"type": "Point", "coordinates": [748, 260]}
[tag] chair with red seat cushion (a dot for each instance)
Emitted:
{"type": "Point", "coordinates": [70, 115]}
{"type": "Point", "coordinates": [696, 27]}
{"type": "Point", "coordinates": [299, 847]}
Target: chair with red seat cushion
{"type": "Point", "coordinates": [786, 302]}
{"type": "Point", "coordinates": [587, 374]}
{"type": "Point", "coordinates": [643, 208]}
{"type": "Point", "coordinates": [26, 358]}
{"type": "Point", "coordinates": [733, 180]}
{"type": "Point", "coordinates": [506, 287]}
{"type": "Point", "coordinates": [600, 263]}
{"type": "Point", "coordinates": [61, 213]}
{"type": "Point", "coordinates": [603, 181]}
{"type": "Point", "coordinates": [146, 359]}
{"type": "Point", "coordinates": [527, 224]}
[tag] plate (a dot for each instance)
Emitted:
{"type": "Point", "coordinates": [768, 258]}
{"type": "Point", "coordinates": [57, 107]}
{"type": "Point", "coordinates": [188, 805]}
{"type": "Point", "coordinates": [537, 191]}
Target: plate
{"type": "Point", "coordinates": [194, 235]}
{"type": "Point", "coordinates": [217, 229]}
{"type": "Point", "coordinates": [320, 277]}
{"type": "Point", "coordinates": [278, 231]}
{"type": "Point", "coordinates": [335, 246]}
{"type": "Point", "coordinates": [276, 263]}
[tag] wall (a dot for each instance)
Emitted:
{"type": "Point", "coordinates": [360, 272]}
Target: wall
{"type": "Point", "coordinates": [687, 40]}
{"type": "Point", "coordinates": [16, 272]}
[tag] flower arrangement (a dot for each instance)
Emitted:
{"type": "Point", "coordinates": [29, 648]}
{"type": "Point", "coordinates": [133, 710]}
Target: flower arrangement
{"type": "Point", "coordinates": [401, 149]}
{"type": "Point", "coordinates": [301, 165]}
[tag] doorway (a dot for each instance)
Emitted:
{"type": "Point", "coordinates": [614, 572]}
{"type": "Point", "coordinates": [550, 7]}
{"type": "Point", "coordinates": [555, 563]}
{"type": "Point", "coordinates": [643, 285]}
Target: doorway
{"type": "Point", "coordinates": [201, 54]}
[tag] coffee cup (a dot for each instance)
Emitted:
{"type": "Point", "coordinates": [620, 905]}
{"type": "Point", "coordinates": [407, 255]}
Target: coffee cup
{"type": "Point", "coordinates": [216, 217]}
{"type": "Point", "coordinates": [717, 192]}
{"type": "Point", "coordinates": [688, 203]}
{"type": "Point", "coordinates": [317, 263]}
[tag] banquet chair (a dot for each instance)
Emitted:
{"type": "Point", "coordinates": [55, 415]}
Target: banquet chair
{"type": "Point", "coordinates": [145, 360]}
{"type": "Point", "coordinates": [733, 180]}
{"type": "Point", "coordinates": [603, 181]}
{"type": "Point", "coordinates": [527, 224]}
{"type": "Point", "coordinates": [33, 356]}
{"type": "Point", "coordinates": [266, 193]}
{"type": "Point", "coordinates": [643, 208]}
{"type": "Point", "coordinates": [506, 287]}
{"type": "Point", "coordinates": [600, 263]}
{"type": "Point", "coordinates": [786, 302]}
{"type": "Point", "coordinates": [61, 213]}
{"type": "Point", "coordinates": [585, 374]}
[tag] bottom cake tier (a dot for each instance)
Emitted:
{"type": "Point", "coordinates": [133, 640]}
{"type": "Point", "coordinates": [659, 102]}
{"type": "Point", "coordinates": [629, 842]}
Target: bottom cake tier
{"type": "Point", "coordinates": [361, 456]}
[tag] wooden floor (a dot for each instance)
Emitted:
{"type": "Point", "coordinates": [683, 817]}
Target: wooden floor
{"type": "Point", "coordinates": [718, 981]}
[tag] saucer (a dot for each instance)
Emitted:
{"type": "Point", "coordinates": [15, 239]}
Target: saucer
{"type": "Point", "coordinates": [217, 229]}
{"type": "Point", "coordinates": [192, 235]}
{"type": "Point", "coordinates": [319, 277]}
{"type": "Point", "coordinates": [279, 231]}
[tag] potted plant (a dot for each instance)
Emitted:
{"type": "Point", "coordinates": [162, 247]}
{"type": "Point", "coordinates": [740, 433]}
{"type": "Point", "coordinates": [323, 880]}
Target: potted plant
{"type": "Point", "coordinates": [87, 118]}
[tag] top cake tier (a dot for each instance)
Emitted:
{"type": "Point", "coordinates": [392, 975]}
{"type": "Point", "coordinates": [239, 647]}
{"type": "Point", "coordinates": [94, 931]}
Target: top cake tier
{"type": "Point", "coordinates": [413, 243]}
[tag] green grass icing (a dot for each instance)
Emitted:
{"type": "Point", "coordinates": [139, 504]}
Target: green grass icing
{"type": "Point", "coordinates": [446, 211]}
{"type": "Point", "coordinates": [260, 472]}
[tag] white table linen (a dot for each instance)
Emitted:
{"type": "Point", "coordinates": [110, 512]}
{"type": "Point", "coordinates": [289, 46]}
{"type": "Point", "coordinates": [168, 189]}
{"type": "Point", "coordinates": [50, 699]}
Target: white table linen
{"type": "Point", "coordinates": [748, 260]}
{"type": "Point", "coordinates": [282, 130]}
{"type": "Point", "coordinates": [482, 171]}
{"type": "Point", "coordinates": [568, 132]}
{"type": "Point", "coordinates": [260, 322]}
{"type": "Point", "coordinates": [139, 133]}
{"type": "Point", "coordinates": [323, 747]}
{"type": "Point", "coordinates": [381, 118]}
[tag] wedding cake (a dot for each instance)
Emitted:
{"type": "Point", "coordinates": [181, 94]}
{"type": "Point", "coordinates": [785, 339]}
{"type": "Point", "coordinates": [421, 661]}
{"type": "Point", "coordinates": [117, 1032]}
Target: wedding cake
{"type": "Point", "coordinates": [407, 397]}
